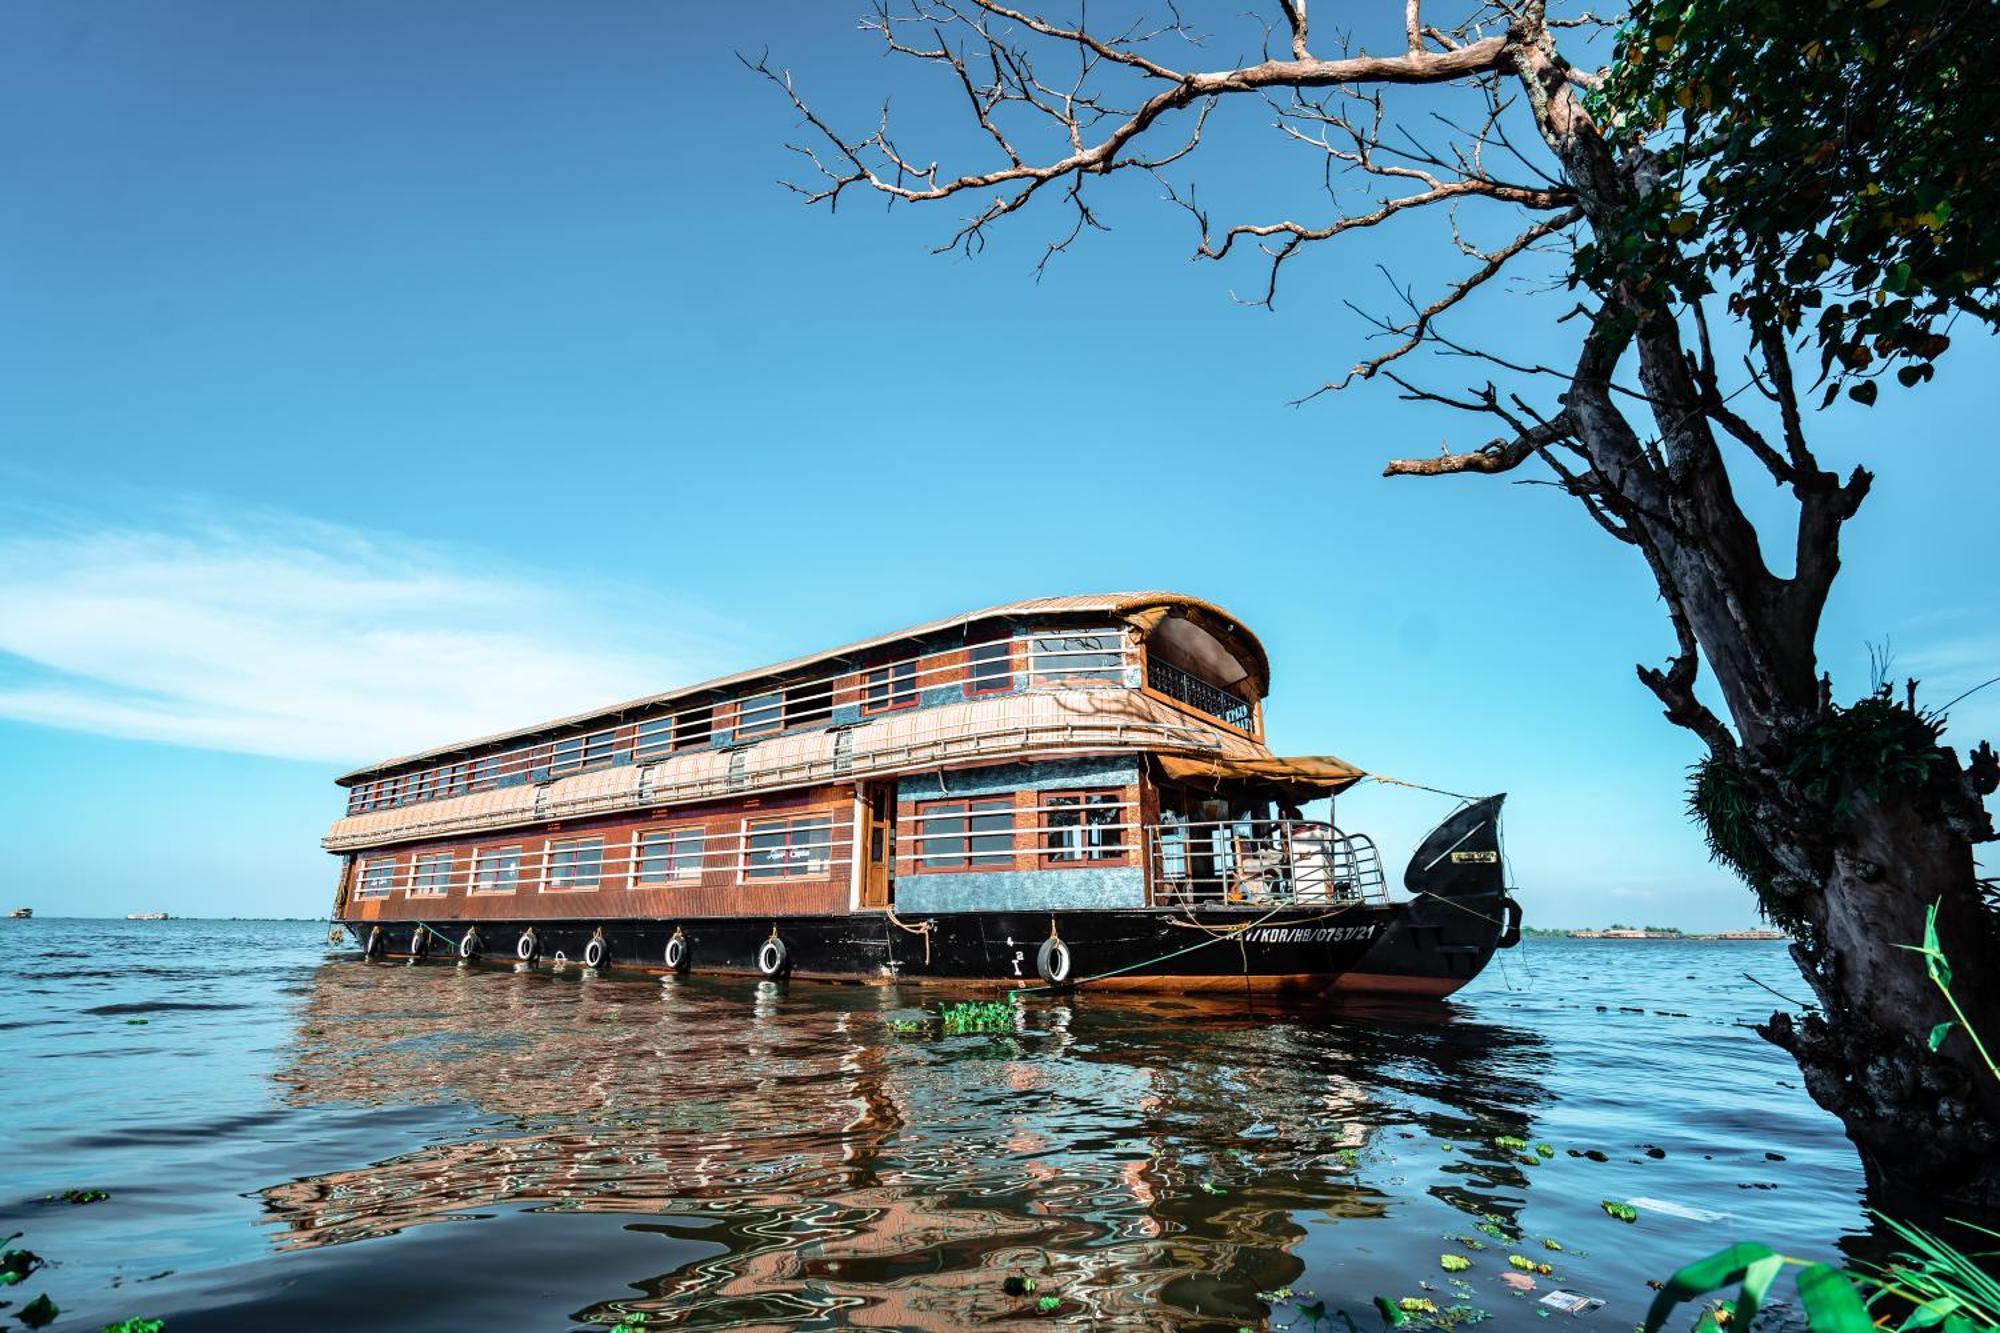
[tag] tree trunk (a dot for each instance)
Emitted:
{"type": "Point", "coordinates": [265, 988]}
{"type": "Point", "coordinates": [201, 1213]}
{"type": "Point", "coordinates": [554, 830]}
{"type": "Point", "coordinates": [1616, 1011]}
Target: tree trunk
{"type": "Point", "coordinates": [1844, 851]}
{"type": "Point", "coordinates": [1927, 1123]}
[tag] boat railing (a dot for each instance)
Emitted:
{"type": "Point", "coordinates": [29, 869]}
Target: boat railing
{"type": "Point", "coordinates": [1225, 706]}
{"type": "Point", "coordinates": [1262, 863]}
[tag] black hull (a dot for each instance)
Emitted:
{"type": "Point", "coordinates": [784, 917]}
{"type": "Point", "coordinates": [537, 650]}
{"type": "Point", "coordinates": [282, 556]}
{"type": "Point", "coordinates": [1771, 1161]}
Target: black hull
{"type": "Point", "coordinates": [1389, 948]}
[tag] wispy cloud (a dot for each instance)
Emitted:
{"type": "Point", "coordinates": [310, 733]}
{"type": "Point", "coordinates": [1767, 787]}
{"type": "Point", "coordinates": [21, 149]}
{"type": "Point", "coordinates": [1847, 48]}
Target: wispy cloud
{"type": "Point", "coordinates": [276, 635]}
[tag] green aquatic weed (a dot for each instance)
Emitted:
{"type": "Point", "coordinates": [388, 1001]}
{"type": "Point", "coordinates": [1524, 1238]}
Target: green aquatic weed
{"type": "Point", "coordinates": [1049, 1304]}
{"type": "Point", "coordinates": [39, 1311]}
{"type": "Point", "coordinates": [1454, 1263]}
{"type": "Point", "coordinates": [135, 1326]}
{"type": "Point", "coordinates": [1545, 1149]}
{"type": "Point", "coordinates": [1495, 1231]}
{"type": "Point", "coordinates": [1549, 1244]}
{"type": "Point", "coordinates": [977, 1016]}
{"type": "Point", "coordinates": [81, 1196]}
{"type": "Point", "coordinates": [1508, 1143]}
{"type": "Point", "coordinates": [1624, 1212]}
{"type": "Point", "coordinates": [1210, 1187]}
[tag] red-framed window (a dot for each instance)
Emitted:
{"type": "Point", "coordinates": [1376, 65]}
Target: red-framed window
{"type": "Point", "coordinates": [378, 877]}
{"type": "Point", "coordinates": [989, 668]}
{"type": "Point", "coordinates": [574, 864]}
{"type": "Point", "coordinates": [661, 856]}
{"type": "Point", "coordinates": [799, 847]}
{"type": "Point", "coordinates": [1079, 826]}
{"type": "Point", "coordinates": [968, 833]}
{"type": "Point", "coordinates": [888, 688]}
{"type": "Point", "coordinates": [431, 877]}
{"type": "Point", "coordinates": [496, 869]}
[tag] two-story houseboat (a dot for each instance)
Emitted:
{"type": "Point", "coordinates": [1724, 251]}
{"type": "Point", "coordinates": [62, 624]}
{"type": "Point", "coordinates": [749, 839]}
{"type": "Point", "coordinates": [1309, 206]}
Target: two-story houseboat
{"type": "Point", "coordinates": [1066, 791]}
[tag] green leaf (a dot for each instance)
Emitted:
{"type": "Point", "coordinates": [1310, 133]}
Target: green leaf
{"type": "Point", "coordinates": [1754, 1265]}
{"type": "Point", "coordinates": [1938, 1034]}
{"type": "Point", "coordinates": [1830, 1302]}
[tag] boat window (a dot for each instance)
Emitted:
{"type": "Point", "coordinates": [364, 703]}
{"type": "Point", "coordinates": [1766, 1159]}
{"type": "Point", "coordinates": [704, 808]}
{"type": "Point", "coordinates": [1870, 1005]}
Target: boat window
{"type": "Point", "coordinates": [576, 864]}
{"type": "Point", "coordinates": [991, 668]}
{"type": "Point", "coordinates": [486, 772]}
{"type": "Point", "coordinates": [432, 877]}
{"type": "Point", "coordinates": [966, 834]}
{"type": "Point", "coordinates": [377, 878]}
{"type": "Point", "coordinates": [694, 727]}
{"type": "Point", "coordinates": [654, 738]}
{"type": "Point", "coordinates": [668, 854]}
{"type": "Point", "coordinates": [574, 752]}
{"type": "Point", "coordinates": [796, 848]}
{"type": "Point", "coordinates": [496, 870]}
{"type": "Point", "coordinates": [890, 687]}
{"type": "Point", "coordinates": [1083, 826]}
{"type": "Point", "coordinates": [760, 715]}
{"type": "Point", "coordinates": [808, 703]}
{"type": "Point", "coordinates": [1098, 656]}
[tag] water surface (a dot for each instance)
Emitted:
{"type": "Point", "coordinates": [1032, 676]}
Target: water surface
{"type": "Point", "coordinates": [290, 1138]}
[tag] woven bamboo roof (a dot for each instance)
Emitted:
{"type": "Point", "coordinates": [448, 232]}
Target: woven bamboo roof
{"type": "Point", "coordinates": [1121, 604]}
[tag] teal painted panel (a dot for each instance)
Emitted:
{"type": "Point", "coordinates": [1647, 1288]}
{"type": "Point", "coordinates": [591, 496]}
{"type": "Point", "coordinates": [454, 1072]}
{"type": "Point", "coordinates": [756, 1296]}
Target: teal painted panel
{"type": "Point", "coordinates": [1075, 889]}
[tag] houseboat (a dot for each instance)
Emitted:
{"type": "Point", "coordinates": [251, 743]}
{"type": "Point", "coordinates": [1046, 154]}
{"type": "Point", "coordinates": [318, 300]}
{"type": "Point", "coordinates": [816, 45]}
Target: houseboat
{"type": "Point", "coordinates": [1071, 791]}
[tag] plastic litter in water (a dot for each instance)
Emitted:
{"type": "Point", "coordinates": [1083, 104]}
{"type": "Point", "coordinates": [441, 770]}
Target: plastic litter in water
{"type": "Point", "coordinates": [1571, 1302]}
{"type": "Point", "coordinates": [1680, 1210]}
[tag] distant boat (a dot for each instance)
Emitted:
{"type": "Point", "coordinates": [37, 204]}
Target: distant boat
{"type": "Point", "coordinates": [21, 913]}
{"type": "Point", "coordinates": [147, 916]}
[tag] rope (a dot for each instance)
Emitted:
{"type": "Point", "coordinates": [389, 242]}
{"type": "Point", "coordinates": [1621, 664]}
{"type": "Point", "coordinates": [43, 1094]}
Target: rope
{"type": "Point", "coordinates": [1453, 902]}
{"type": "Point", "coordinates": [922, 928]}
{"type": "Point", "coordinates": [1418, 786]}
{"type": "Point", "coordinates": [1163, 958]}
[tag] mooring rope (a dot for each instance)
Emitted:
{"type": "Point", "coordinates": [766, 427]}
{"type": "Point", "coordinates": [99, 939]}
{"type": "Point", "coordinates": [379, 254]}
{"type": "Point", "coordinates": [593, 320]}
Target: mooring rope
{"type": "Point", "coordinates": [1133, 967]}
{"type": "Point", "coordinates": [922, 928]}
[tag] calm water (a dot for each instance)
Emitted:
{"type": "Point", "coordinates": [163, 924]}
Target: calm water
{"type": "Point", "coordinates": [293, 1139]}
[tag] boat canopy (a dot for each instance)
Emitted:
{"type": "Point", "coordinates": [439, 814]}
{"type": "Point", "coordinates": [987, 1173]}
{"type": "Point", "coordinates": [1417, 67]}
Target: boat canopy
{"type": "Point", "coordinates": [1301, 776]}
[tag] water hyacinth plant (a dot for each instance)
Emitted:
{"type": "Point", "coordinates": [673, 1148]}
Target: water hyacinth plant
{"type": "Point", "coordinates": [977, 1016]}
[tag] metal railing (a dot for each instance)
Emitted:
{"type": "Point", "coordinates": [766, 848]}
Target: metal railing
{"type": "Point", "coordinates": [1185, 687]}
{"type": "Point", "coordinates": [1262, 863]}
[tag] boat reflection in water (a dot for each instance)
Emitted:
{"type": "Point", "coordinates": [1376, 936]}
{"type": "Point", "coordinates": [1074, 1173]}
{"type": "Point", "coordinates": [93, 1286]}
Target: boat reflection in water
{"type": "Point", "coordinates": [1144, 1161]}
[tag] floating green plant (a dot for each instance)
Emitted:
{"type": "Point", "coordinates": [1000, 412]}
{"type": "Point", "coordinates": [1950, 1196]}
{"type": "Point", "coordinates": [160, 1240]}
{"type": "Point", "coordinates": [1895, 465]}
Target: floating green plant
{"type": "Point", "coordinates": [1549, 1244]}
{"type": "Point", "coordinates": [155, 1325]}
{"type": "Point", "coordinates": [1545, 1150]}
{"type": "Point", "coordinates": [15, 1265]}
{"type": "Point", "coordinates": [1210, 1187]}
{"type": "Point", "coordinates": [80, 1196]}
{"type": "Point", "coordinates": [1454, 1263]}
{"type": "Point", "coordinates": [1417, 1305]}
{"type": "Point", "coordinates": [977, 1016]}
{"type": "Point", "coordinates": [1527, 1265]}
{"type": "Point", "coordinates": [1018, 1285]}
{"type": "Point", "coordinates": [1049, 1304]}
{"type": "Point", "coordinates": [1624, 1212]}
{"type": "Point", "coordinates": [39, 1311]}
{"type": "Point", "coordinates": [1509, 1143]}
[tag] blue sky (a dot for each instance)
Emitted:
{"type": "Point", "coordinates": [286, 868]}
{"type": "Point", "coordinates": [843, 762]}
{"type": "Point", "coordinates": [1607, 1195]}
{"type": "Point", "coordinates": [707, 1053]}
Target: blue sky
{"type": "Point", "coordinates": [374, 374]}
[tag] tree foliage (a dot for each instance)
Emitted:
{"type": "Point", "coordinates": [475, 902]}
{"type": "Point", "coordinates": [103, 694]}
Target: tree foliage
{"type": "Point", "coordinates": [1830, 164]}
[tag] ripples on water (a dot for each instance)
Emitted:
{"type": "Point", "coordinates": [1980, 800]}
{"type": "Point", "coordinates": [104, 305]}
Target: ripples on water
{"type": "Point", "coordinates": [294, 1139]}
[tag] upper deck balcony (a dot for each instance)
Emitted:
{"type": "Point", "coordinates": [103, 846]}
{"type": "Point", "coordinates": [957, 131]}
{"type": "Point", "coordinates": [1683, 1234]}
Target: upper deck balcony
{"type": "Point", "coordinates": [1165, 664]}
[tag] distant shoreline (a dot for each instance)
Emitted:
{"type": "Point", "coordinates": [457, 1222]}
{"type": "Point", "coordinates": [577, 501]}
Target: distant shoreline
{"type": "Point", "coordinates": [1712, 937]}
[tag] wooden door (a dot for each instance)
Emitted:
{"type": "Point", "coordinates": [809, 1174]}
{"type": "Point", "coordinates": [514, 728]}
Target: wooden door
{"type": "Point", "coordinates": [879, 879]}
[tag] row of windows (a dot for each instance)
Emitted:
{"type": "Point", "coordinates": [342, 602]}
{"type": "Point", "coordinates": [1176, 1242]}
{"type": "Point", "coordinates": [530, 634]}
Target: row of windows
{"type": "Point", "coordinates": [1096, 657]}
{"type": "Point", "coordinates": [979, 833]}
{"type": "Point", "coordinates": [796, 847]}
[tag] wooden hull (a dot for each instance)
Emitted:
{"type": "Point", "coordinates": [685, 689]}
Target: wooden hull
{"type": "Point", "coordinates": [1421, 948]}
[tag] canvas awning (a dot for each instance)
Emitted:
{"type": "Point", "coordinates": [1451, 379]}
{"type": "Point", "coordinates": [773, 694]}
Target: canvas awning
{"type": "Point", "coordinates": [1300, 776]}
